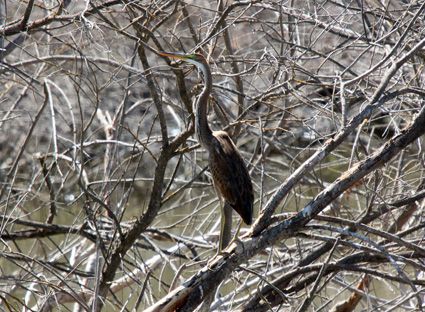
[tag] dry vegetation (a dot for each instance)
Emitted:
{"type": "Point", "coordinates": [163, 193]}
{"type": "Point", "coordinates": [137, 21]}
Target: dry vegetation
{"type": "Point", "coordinates": [106, 200]}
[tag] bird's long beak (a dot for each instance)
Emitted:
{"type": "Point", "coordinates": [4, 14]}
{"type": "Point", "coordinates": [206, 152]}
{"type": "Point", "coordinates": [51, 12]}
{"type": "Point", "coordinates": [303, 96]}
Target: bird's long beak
{"type": "Point", "coordinates": [174, 55]}
{"type": "Point", "coordinates": [183, 57]}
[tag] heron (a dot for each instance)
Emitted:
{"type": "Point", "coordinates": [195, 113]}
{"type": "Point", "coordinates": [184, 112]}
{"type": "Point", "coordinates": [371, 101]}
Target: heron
{"type": "Point", "coordinates": [229, 173]}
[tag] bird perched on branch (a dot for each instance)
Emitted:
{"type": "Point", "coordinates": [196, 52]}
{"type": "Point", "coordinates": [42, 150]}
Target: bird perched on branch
{"type": "Point", "coordinates": [230, 175]}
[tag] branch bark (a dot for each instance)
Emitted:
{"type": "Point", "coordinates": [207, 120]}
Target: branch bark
{"type": "Point", "coordinates": [189, 295]}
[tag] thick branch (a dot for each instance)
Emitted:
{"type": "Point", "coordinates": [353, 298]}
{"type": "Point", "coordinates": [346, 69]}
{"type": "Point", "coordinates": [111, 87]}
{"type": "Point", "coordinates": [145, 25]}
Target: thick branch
{"type": "Point", "coordinates": [192, 293]}
{"type": "Point", "coordinates": [376, 100]}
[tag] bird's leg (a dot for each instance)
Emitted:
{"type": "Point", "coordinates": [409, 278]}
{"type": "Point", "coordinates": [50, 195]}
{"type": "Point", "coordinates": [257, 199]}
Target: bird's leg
{"type": "Point", "coordinates": [225, 222]}
{"type": "Point", "coordinates": [235, 237]}
{"type": "Point", "coordinates": [226, 226]}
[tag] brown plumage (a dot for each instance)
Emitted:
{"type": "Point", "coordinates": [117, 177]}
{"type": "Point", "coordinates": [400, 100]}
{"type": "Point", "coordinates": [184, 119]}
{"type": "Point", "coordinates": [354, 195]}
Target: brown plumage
{"type": "Point", "coordinates": [229, 173]}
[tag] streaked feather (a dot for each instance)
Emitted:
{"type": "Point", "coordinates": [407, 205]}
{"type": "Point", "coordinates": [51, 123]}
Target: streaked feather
{"type": "Point", "coordinates": [231, 176]}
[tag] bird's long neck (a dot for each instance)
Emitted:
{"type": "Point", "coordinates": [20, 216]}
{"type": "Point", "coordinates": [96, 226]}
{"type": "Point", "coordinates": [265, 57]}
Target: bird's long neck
{"type": "Point", "coordinates": [202, 128]}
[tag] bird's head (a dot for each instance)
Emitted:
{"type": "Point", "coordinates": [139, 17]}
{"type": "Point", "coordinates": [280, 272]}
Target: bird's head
{"type": "Point", "coordinates": [191, 58]}
{"type": "Point", "coordinates": [196, 59]}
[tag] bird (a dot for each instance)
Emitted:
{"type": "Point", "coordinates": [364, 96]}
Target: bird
{"type": "Point", "coordinates": [228, 170]}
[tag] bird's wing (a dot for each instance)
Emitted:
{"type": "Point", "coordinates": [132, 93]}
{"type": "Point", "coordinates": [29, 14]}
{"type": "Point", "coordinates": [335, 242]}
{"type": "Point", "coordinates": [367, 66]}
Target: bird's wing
{"type": "Point", "coordinates": [231, 176]}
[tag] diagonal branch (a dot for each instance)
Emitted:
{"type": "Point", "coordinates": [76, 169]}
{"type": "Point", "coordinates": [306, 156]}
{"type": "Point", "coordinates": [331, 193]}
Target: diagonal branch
{"type": "Point", "coordinates": [378, 98]}
{"type": "Point", "coordinates": [192, 293]}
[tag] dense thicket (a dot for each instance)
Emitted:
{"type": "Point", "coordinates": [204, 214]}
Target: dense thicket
{"type": "Point", "coordinates": [106, 201]}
